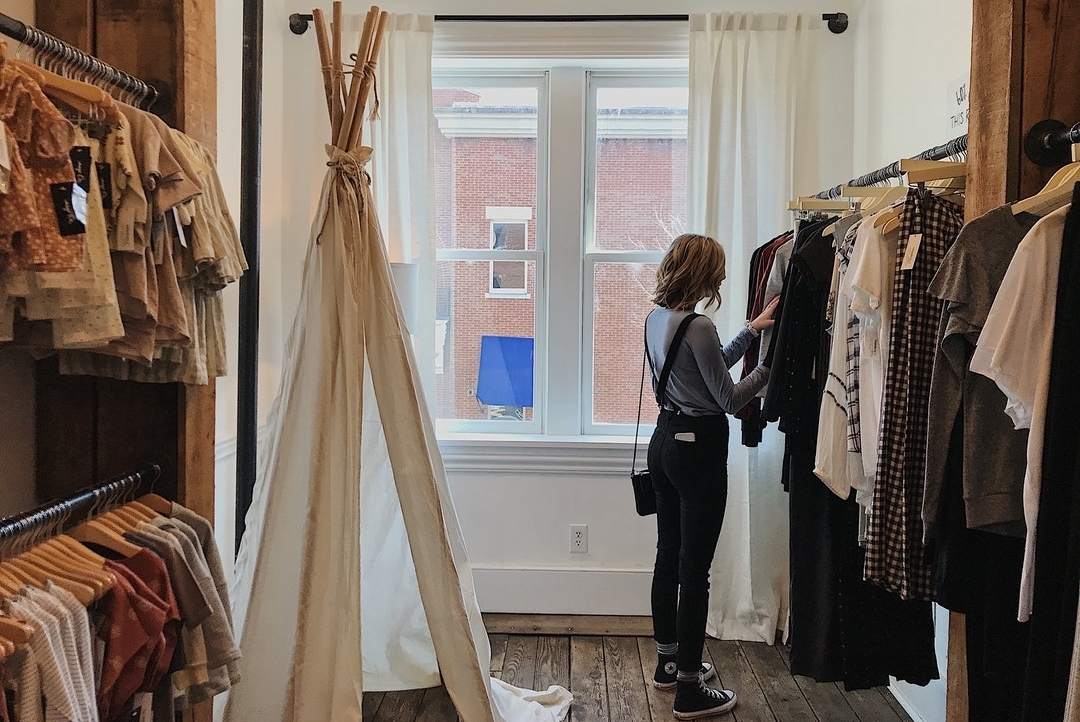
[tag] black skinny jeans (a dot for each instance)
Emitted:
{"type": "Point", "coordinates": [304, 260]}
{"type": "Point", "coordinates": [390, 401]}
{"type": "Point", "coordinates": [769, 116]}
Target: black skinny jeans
{"type": "Point", "coordinates": [690, 480]}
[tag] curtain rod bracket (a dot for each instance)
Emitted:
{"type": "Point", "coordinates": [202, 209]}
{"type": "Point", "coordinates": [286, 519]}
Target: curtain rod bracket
{"type": "Point", "coordinates": [1049, 142]}
{"type": "Point", "coordinates": [838, 22]}
{"type": "Point", "coordinates": [300, 22]}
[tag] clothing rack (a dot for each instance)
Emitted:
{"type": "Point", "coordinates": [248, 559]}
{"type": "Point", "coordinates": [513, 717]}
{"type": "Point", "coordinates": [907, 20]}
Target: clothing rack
{"type": "Point", "coordinates": [300, 22]}
{"type": "Point", "coordinates": [22, 531]}
{"type": "Point", "coordinates": [953, 148]}
{"type": "Point", "coordinates": [53, 47]}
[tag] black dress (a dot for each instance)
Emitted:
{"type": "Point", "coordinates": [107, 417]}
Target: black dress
{"type": "Point", "coordinates": [1057, 545]}
{"type": "Point", "coordinates": [841, 628]}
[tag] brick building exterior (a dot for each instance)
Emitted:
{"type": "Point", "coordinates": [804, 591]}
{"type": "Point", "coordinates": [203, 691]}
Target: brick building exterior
{"type": "Point", "coordinates": [485, 174]}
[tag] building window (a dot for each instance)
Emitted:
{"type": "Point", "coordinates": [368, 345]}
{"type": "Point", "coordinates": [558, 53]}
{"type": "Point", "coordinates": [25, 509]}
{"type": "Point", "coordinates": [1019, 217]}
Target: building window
{"type": "Point", "coordinates": [509, 232]}
{"type": "Point", "coordinates": [547, 246]}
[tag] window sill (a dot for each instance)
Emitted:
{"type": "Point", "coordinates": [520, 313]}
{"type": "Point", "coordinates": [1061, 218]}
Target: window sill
{"type": "Point", "coordinates": [507, 294]}
{"type": "Point", "coordinates": [535, 454]}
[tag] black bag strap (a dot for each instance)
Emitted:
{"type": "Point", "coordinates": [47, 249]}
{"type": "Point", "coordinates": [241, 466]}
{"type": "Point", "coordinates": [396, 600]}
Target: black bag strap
{"type": "Point", "coordinates": [661, 385]}
{"type": "Point", "coordinates": [673, 351]}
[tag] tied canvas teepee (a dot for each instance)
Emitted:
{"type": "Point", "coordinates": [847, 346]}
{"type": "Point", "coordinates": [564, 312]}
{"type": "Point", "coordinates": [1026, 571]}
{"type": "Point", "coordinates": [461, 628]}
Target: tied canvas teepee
{"type": "Point", "coordinates": [353, 570]}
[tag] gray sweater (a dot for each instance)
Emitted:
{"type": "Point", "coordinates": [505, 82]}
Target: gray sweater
{"type": "Point", "coordinates": [700, 383]}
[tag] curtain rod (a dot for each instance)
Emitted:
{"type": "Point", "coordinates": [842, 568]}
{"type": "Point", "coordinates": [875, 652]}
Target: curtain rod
{"type": "Point", "coordinates": [43, 42]}
{"type": "Point", "coordinates": [299, 22]}
{"type": "Point", "coordinates": [559, 18]}
{"type": "Point", "coordinates": [954, 147]}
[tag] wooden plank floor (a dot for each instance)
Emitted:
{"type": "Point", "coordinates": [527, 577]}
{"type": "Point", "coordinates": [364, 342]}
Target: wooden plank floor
{"type": "Point", "coordinates": [610, 678]}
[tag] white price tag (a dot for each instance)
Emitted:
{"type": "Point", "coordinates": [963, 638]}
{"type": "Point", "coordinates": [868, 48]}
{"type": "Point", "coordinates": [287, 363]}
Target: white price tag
{"type": "Point", "coordinates": [5, 161]}
{"type": "Point", "coordinates": [78, 202]}
{"type": "Point", "coordinates": [912, 252]}
{"type": "Point", "coordinates": [181, 234]}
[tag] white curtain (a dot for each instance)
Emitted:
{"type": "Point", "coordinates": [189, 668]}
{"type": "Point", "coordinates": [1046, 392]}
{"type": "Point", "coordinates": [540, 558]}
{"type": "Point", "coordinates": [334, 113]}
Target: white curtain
{"type": "Point", "coordinates": [747, 71]}
{"type": "Point", "coordinates": [403, 172]}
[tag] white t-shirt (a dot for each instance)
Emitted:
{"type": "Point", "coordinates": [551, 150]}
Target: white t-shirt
{"type": "Point", "coordinates": [871, 275]}
{"type": "Point", "coordinates": [839, 469]}
{"type": "Point", "coordinates": [1014, 351]}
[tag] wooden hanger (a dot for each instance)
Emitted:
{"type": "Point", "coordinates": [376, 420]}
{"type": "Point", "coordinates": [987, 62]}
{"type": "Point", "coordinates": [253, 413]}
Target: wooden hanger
{"type": "Point", "coordinates": [1047, 201]}
{"type": "Point", "coordinates": [9, 584]}
{"type": "Point", "coordinates": [127, 518]}
{"type": "Point", "coordinates": [818, 204]}
{"type": "Point", "coordinates": [111, 521]}
{"type": "Point", "coordinates": [19, 574]}
{"type": "Point", "coordinates": [75, 550]}
{"type": "Point", "coordinates": [38, 576]}
{"type": "Point", "coordinates": [144, 512]}
{"type": "Point", "coordinates": [81, 557]}
{"type": "Point", "coordinates": [98, 579]}
{"type": "Point", "coordinates": [1056, 193]}
{"type": "Point", "coordinates": [83, 97]}
{"type": "Point", "coordinates": [14, 630]}
{"type": "Point", "coordinates": [95, 532]}
{"type": "Point", "coordinates": [922, 171]}
{"type": "Point", "coordinates": [877, 197]}
{"type": "Point", "coordinates": [45, 561]}
{"type": "Point", "coordinates": [159, 504]}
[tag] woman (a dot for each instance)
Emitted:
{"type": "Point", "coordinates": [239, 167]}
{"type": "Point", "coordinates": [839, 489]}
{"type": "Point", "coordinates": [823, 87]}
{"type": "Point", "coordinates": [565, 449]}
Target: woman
{"type": "Point", "coordinates": [688, 462]}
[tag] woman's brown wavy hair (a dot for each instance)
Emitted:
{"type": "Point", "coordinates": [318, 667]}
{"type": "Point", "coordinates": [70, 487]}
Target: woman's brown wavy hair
{"type": "Point", "coordinates": [690, 271]}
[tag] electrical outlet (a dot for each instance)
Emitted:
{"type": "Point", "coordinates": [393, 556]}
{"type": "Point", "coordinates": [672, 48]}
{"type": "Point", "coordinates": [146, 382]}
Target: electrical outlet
{"type": "Point", "coordinates": [579, 538]}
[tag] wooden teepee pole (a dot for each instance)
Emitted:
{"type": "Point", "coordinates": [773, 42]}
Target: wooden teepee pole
{"type": "Point", "coordinates": [336, 116]}
{"type": "Point", "coordinates": [325, 61]}
{"type": "Point", "coordinates": [356, 132]}
{"type": "Point", "coordinates": [342, 132]}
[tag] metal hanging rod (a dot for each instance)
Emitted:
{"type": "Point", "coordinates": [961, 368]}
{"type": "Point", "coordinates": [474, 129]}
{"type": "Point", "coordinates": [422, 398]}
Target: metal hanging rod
{"type": "Point", "coordinates": [25, 530]}
{"type": "Point", "coordinates": [1050, 142]}
{"type": "Point", "coordinates": [953, 148]}
{"type": "Point", "coordinates": [299, 22]}
{"type": "Point", "coordinates": [72, 57]}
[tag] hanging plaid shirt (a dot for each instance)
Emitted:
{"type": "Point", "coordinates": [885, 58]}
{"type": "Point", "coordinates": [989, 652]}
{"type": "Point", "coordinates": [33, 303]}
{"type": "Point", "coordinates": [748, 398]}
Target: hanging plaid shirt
{"type": "Point", "coordinates": [895, 555]}
{"type": "Point", "coordinates": [854, 431]}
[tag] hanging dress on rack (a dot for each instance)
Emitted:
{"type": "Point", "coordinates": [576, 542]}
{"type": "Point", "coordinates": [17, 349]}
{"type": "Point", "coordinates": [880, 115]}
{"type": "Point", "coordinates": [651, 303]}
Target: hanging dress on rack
{"type": "Point", "coordinates": [895, 553]}
{"type": "Point", "coordinates": [842, 628]}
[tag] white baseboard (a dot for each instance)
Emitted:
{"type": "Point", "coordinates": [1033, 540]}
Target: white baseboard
{"type": "Point", "coordinates": [619, 592]}
{"type": "Point", "coordinates": [918, 708]}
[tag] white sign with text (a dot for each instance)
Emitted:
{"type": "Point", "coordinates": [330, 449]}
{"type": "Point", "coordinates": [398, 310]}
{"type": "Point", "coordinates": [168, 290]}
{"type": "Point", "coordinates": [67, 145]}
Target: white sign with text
{"type": "Point", "coordinates": [958, 104]}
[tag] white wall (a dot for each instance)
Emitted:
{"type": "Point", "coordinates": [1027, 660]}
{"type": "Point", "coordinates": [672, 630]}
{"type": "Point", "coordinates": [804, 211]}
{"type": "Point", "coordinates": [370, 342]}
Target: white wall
{"type": "Point", "coordinates": [274, 202]}
{"type": "Point", "coordinates": [515, 523]}
{"type": "Point", "coordinates": [17, 380]}
{"type": "Point", "coordinates": [910, 52]}
{"type": "Point", "coordinates": [884, 96]}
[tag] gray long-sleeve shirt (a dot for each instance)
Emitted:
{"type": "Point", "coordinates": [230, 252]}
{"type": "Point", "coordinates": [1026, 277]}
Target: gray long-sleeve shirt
{"type": "Point", "coordinates": [700, 383]}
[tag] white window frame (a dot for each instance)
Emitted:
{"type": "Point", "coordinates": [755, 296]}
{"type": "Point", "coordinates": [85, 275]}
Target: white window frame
{"type": "Point", "coordinates": [477, 78]}
{"type": "Point", "coordinates": [505, 216]}
{"type": "Point", "coordinates": [563, 270]}
{"type": "Point", "coordinates": [591, 256]}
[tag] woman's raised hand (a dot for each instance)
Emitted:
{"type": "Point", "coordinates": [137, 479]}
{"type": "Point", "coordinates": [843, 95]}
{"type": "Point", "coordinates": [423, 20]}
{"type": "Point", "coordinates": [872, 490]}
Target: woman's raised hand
{"type": "Point", "coordinates": [765, 320]}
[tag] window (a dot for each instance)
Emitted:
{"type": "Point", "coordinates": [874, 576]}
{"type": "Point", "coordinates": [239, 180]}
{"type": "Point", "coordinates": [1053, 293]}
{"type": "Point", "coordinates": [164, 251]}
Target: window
{"type": "Point", "coordinates": [546, 246]}
{"type": "Point", "coordinates": [508, 277]}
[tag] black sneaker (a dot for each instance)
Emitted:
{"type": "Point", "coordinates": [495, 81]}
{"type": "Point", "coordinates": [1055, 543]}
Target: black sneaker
{"type": "Point", "coordinates": [666, 673]}
{"type": "Point", "coordinates": [693, 700]}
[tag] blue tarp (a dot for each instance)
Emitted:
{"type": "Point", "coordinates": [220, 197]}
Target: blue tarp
{"type": "Point", "coordinates": [506, 371]}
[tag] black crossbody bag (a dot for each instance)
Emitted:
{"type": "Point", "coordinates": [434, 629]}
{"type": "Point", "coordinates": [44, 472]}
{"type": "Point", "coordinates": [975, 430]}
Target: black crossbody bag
{"type": "Point", "coordinates": [641, 481]}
